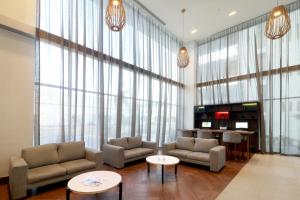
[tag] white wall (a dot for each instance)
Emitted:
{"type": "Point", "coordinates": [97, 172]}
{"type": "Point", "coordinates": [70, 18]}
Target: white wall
{"type": "Point", "coordinates": [23, 11]}
{"type": "Point", "coordinates": [190, 92]}
{"type": "Point", "coordinates": [17, 61]}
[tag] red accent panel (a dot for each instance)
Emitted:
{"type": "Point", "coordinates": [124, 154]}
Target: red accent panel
{"type": "Point", "coordinates": [221, 115]}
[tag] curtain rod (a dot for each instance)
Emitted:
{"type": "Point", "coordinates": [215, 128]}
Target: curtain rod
{"type": "Point", "coordinates": [149, 11]}
{"type": "Point", "coordinates": [14, 30]}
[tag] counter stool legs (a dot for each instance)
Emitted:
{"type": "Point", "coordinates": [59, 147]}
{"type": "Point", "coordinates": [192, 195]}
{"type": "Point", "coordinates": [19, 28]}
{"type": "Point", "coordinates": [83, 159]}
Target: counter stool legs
{"type": "Point", "coordinates": [175, 169]}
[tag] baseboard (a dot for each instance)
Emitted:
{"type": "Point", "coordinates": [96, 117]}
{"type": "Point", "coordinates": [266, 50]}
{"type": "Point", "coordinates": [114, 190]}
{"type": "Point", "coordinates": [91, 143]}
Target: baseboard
{"type": "Point", "coordinates": [4, 180]}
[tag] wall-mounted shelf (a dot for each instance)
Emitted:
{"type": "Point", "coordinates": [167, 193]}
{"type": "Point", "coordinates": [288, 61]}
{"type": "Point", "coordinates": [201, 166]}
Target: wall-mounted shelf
{"type": "Point", "coordinates": [248, 112]}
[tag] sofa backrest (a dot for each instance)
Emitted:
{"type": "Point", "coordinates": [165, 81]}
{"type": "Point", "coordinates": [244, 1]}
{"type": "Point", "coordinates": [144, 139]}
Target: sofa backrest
{"type": "Point", "coordinates": [71, 151]}
{"type": "Point", "coordinates": [204, 145]}
{"type": "Point", "coordinates": [185, 143]}
{"type": "Point", "coordinates": [121, 142]}
{"type": "Point", "coordinates": [40, 155]}
{"type": "Point", "coordinates": [134, 142]}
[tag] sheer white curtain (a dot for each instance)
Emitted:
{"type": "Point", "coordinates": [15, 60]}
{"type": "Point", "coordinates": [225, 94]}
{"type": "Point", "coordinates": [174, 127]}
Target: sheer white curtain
{"type": "Point", "coordinates": [93, 84]}
{"type": "Point", "coordinates": [241, 64]}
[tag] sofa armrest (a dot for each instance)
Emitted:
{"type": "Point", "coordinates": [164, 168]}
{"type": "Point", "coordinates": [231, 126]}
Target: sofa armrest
{"type": "Point", "coordinates": [150, 145]}
{"type": "Point", "coordinates": [95, 156]}
{"type": "Point", "coordinates": [217, 158]}
{"type": "Point", "coordinates": [169, 146]}
{"type": "Point", "coordinates": [18, 170]}
{"type": "Point", "coordinates": [113, 155]}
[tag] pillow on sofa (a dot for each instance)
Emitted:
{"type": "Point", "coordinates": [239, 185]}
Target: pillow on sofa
{"type": "Point", "coordinates": [204, 145]}
{"type": "Point", "coordinates": [121, 142]}
{"type": "Point", "coordinates": [71, 151]}
{"type": "Point", "coordinates": [134, 142]}
{"type": "Point", "coordinates": [185, 143]}
{"type": "Point", "coordinates": [40, 155]}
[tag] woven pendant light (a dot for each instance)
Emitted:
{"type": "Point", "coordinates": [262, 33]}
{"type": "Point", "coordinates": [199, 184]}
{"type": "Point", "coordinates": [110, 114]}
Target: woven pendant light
{"type": "Point", "coordinates": [278, 24]}
{"type": "Point", "coordinates": [183, 58]}
{"type": "Point", "coordinates": [115, 15]}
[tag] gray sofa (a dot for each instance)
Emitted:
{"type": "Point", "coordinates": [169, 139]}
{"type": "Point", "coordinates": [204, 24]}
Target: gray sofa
{"type": "Point", "coordinates": [50, 163]}
{"type": "Point", "coordinates": [199, 151]}
{"type": "Point", "coordinates": [119, 151]}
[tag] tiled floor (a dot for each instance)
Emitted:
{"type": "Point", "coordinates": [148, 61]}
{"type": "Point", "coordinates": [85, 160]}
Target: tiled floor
{"type": "Point", "coordinates": [266, 177]}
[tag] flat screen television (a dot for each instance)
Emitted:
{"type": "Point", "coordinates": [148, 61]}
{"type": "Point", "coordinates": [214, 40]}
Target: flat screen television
{"type": "Point", "coordinates": [241, 125]}
{"type": "Point", "coordinates": [206, 124]}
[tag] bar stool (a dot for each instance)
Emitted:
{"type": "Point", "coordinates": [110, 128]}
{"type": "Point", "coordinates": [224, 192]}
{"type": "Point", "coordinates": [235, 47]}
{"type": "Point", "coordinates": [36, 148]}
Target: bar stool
{"type": "Point", "coordinates": [233, 139]}
{"type": "Point", "coordinates": [206, 134]}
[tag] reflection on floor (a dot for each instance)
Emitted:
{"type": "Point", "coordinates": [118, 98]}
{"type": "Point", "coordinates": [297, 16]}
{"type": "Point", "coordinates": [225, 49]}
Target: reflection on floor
{"type": "Point", "coordinates": [193, 182]}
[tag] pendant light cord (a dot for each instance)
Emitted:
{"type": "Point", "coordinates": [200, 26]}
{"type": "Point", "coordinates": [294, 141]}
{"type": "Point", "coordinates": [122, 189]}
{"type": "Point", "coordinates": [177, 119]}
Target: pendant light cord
{"type": "Point", "coordinates": [183, 11]}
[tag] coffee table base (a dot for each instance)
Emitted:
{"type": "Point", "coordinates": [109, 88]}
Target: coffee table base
{"type": "Point", "coordinates": [162, 172]}
{"type": "Point", "coordinates": [68, 192]}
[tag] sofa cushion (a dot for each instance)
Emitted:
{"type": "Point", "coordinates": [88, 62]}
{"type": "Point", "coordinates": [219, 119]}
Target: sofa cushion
{"type": "Point", "coordinates": [179, 153]}
{"type": "Point", "coordinates": [199, 156]}
{"type": "Point", "coordinates": [40, 155]}
{"type": "Point", "coordinates": [121, 142]}
{"type": "Point", "coordinates": [204, 145]}
{"type": "Point", "coordinates": [132, 153]}
{"type": "Point", "coordinates": [78, 165]}
{"type": "Point", "coordinates": [185, 143]}
{"type": "Point", "coordinates": [46, 172]}
{"type": "Point", "coordinates": [71, 151]}
{"type": "Point", "coordinates": [134, 142]}
{"type": "Point", "coordinates": [144, 151]}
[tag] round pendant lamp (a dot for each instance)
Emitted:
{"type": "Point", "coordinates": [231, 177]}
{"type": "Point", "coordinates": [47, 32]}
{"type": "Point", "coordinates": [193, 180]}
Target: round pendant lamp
{"type": "Point", "coordinates": [115, 15]}
{"type": "Point", "coordinates": [183, 58]}
{"type": "Point", "coordinates": [278, 23]}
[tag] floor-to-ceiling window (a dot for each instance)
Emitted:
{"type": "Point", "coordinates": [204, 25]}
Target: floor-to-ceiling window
{"type": "Point", "coordinates": [93, 84]}
{"type": "Point", "coordinates": [242, 64]}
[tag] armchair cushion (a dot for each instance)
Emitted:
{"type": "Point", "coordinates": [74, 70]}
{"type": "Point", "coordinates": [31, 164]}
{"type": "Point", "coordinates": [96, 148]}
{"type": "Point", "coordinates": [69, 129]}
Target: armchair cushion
{"type": "Point", "coordinates": [132, 153]}
{"type": "Point", "coordinates": [71, 151]}
{"type": "Point", "coordinates": [134, 142]}
{"type": "Point", "coordinates": [45, 172]}
{"type": "Point", "coordinates": [199, 156]}
{"type": "Point", "coordinates": [204, 145]}
{"type": "Point", "coordinates": [179, 153]}
{"type": "Point", "coordinates": [185, 143]}
{"type": "Point", "coordinates": [40, 155]}
{"type": "Point", "coordinates": [121, 142]}
{"type": "Point", "coordinates": [78, 165]}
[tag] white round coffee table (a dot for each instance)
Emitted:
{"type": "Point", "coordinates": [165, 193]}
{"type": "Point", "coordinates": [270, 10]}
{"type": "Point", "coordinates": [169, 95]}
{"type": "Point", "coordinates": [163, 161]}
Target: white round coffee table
{"type": "Point", "coordinates": [162, 160]}
{"type": "Point", "coordinates": [94, 182]}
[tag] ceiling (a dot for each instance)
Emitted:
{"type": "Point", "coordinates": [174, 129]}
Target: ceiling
{"type": "Point", "coordinates": [207, 16]}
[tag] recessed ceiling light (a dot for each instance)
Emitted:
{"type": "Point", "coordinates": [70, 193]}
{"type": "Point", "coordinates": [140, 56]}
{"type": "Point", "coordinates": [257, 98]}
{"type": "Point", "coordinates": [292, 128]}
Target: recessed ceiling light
{"type": "Point", "coordinates": [232, 13]}
{"type": "Point", "coordinates": [194, 31]}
